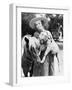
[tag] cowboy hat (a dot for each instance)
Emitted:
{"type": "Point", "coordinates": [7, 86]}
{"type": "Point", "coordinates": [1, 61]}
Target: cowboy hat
{"type": "Point", "coordinates": [32, 22]}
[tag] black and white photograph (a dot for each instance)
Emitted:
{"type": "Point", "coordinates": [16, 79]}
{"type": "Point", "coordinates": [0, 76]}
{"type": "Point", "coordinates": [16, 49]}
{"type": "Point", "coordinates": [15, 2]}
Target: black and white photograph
{"type": "Point", "coordinates": [41, 44]}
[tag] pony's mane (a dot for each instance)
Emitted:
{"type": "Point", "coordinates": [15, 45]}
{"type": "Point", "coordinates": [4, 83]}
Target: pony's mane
{"type": "Point", "coordinates": [33, 42]}
{"type": "Point", "coordinates": [24, 42]}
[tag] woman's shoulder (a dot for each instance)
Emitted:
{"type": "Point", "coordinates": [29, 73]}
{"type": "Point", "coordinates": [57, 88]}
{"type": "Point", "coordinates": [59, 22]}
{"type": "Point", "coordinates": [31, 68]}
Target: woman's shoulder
{"type": "Point", "coordinates": [48, 31]}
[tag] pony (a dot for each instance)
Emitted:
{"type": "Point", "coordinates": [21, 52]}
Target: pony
{"type": "Point", "coordinates": [30, 50]}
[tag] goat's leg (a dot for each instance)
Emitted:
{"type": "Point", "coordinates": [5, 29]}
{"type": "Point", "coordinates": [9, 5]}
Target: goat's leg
{"type": "Point", "coordinates": [58, 61]}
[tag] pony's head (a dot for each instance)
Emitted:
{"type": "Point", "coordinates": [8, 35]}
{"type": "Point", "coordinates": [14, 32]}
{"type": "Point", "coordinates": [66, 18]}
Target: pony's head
{"type": "Point", "coordinates": [31, 43]}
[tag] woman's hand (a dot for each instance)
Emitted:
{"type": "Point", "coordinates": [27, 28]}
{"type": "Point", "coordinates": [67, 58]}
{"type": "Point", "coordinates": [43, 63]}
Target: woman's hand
{"type": "Point", "coordinates": [43, 60]}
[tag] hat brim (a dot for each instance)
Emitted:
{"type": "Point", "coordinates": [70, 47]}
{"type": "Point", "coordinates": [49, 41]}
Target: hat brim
{"type": "Point", "coordinates": [32, 22]}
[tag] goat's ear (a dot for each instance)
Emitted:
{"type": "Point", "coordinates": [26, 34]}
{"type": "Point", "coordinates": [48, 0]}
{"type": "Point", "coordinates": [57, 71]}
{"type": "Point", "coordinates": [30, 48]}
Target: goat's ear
{"type": "Point", "coordinates": [27, 40]}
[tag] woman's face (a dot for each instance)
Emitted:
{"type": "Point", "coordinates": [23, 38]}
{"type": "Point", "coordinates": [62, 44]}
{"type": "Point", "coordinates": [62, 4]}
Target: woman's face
{"type": "Point", "coordinates": [39, 25]}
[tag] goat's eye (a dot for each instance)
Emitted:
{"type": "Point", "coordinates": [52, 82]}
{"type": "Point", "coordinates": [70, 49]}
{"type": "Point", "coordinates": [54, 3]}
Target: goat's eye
{"type": "Point", "coordinates": [48, 37]}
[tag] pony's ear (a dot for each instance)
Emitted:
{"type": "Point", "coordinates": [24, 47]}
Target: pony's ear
{"type": "Point", "coordinates": [27, 40]}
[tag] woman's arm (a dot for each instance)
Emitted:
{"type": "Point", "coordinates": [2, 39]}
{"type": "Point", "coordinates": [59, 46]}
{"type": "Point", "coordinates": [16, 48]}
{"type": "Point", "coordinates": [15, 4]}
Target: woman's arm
{"type": "Point", "coordinates": [45, 54]}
